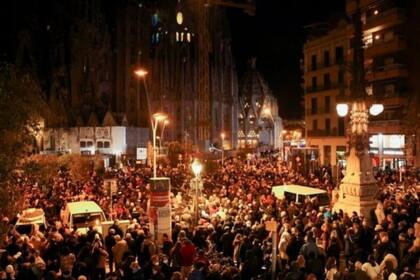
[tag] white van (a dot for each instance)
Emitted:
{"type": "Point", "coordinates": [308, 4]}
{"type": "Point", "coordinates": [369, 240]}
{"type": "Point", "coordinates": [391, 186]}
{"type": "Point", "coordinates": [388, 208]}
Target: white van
{"type": "Point", "coordinates": [83, 214]}
{"type": "Point", "coordinates": [30, 217]}
{"type": "Point", "coordinates": [298, 194]}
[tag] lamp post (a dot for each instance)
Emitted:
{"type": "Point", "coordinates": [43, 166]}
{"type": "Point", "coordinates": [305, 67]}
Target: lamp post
{"type": "Point", "coordinates": [141, 74]}
{"type": "Point", "coordinates": [222, 135]}
{"type": "Point", "coordinates": [156, 118]}
{"type": "Point", "coordinates": [165, 123]}
{"type": "Point", "coordinates": [197, 167]}
{"type": "Point", "coordinates": [358, 187]}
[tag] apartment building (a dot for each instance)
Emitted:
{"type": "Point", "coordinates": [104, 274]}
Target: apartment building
{"type": "Point", "coordinates": [391, 74]}
{"type": "Point", "coordinates": [324, 52]}
{"type": "Point", "coordinates": [392, 71]}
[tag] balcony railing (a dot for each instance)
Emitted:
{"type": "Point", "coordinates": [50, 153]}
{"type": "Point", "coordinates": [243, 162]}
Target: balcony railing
{"type": "Point", "coordinates": [323, 133]}
{"type": "Point", "coordinates": [320, 110]}
{"type": "Point", "coordinates": [386, 72]}
{"type": "Point", "coordinates": [331, 86]}
{"type": "Point", "coordinates": [385, 18]}
{"type": "Point", "coordinates": [381, 47]}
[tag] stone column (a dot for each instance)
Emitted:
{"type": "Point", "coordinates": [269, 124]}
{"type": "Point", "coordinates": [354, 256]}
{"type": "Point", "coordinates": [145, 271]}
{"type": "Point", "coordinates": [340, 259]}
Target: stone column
{"type": "Point", "coordinates": [358, 187]}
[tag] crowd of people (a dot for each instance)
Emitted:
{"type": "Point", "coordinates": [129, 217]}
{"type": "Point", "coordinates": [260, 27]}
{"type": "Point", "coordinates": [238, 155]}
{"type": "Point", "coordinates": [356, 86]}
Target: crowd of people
{"type": "Point", "coordinates": [229, 241]}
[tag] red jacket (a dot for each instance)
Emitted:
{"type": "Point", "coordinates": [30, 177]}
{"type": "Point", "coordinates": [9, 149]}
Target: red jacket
{"type": "Point", "coordinates": [187, 254]}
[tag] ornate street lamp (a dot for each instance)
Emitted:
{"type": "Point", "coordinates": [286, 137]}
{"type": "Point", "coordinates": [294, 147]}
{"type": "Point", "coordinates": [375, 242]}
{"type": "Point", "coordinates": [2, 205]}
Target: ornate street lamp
{"type": "Point", "coordinates": [196, 167]}
{"type": "Point", "coordinates": [358, 187]}
{"type": "Point", "coordinates": [156, 118]}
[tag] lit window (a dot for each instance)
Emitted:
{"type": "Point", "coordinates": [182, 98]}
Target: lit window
{"type": "Point", "coordinates": [155, 19]}
{"type": "Point", "coordinates": [188, 37]}
{"type": "Point", "coordinates": [179, 18]}
{"type": "Point", "coordinates": [182, 36]}
{"type": "Point", "coordinates": [177, 36]}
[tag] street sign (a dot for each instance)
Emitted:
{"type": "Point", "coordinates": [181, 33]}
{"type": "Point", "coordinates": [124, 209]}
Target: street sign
{"type": "Point", "coordinates": [141, 153]}
{"type": "Point", "coordinates": [111, 185]}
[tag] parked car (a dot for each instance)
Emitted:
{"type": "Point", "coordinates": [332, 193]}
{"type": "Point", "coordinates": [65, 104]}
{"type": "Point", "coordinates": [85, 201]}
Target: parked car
{"type": "Point", "coordinates": [30, 217]}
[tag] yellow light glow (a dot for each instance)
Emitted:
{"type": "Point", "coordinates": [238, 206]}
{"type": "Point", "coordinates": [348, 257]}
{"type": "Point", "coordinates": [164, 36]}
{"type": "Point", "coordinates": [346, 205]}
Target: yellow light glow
{"type": "Point", "coordinates": [377, 37]}
{"type": "Point", "coordinates": [197, 167]}
{"type": "Point", "coordinates": [179, 18]}
{"type": "Point", "coordinates": [141, 73]}
{"type": "Point", "coordinates": [376, 12]}
{"type": "Point", "coordinates": [223, 135]}
{"type": "Point", "coordinates": [267, 111]}
{"type": "Point", "coordinates": [160, 116]}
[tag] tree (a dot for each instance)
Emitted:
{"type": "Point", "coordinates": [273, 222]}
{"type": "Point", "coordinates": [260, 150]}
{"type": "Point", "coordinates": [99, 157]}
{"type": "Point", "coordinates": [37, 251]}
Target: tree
{"type": "Point", "coordinates": [20, 104]}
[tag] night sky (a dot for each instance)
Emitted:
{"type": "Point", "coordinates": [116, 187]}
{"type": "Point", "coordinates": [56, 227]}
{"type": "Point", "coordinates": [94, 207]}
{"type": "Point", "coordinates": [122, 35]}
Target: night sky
{"type": "Point", "coordinates": [275, 35]}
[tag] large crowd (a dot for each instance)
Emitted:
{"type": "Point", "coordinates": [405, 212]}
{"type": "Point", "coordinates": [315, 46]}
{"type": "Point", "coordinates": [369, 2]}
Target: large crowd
{"type": "Point", "coordinates": [229, 241]}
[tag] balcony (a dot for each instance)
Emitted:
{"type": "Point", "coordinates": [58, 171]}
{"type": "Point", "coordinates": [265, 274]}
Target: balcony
{"type": "Point", "coordinates": [380, 48]}
{"type": "Point", "coordinates": [385, 19]}
{"type": "Point", "coordinates": [332, 86]}
{"type": "Point", "coordinates": [323, 133]}
{"type": "Point", "coordinates": [323, 66]}
{"type": "Point", "coordinates": [387, 72]}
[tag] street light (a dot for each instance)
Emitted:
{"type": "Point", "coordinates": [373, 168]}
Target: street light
{"type": "Point", "coordinates": [156, 118]}
{"type": "Point", "coordinates": [141, 73]}
{"type": "Point", "coordinates": [196, 167]}
{"type": "Point", "coordinates": [358, 187]}
{"type": "Point", "coordinates": [165, 123]}
{"type": "Point", "coordinates": [222, 135]}
{"type": "Point", "coordinates": [376, 109]}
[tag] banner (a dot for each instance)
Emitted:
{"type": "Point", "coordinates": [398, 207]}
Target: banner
{"type": "Point", "coordinates": [141, 153]}
{"type": "Point", "coordinates": [160, 208]}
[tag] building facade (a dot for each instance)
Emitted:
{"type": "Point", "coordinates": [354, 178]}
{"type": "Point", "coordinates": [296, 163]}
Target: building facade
{"type": "Point", "coordinates": [260, 125]}
{"type": "Point", "coordinates": [85, 52]}
{"type": "Point", "coordinates": [323, 55]}
{"type": "Point", "coordinates": [390, 78]}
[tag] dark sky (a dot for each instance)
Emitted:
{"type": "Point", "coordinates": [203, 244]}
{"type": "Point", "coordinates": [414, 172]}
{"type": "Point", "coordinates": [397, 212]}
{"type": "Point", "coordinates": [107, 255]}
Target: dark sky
{"type": "Point", "coordinates": [275, 35]}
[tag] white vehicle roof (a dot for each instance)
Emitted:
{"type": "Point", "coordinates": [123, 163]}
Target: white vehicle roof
{"type": "Point", "coordinates": [31, 216]}
{"type": "Point", "coordinates": [297, 189]}
{"type": "Point", "coordinates": [81, 207]}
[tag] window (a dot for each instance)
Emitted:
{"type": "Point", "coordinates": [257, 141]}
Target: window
{"type": "Point", "coordinates": [389, 89]}
{"type": "Point", "coordinates": [106, 144]}
{"type": "Point", "coordinates": [328, 126]}
{"type": "Point", "coordinates": [314, 83]}
{"type": "Point", "coordinates": [326, 58]}
{"type": "Point", "coordinates": [327, 81]}
{"type": "Point", "coordinates": [82, 144]}
{"type": "Point", "coordinates": [327, 104]}
{"type": "Point", "coordinates": [315, 125]}
{"type": "Point", "coordinates": [340, 126]}
{"type": "Point", "coordinates": [314, 106]}
{"type": "Point", "coordinates": [313, 62]}
{"type": "Point", "coordinates": [100, 144]}
{"type": "Point", "coordinates": [339, 55]}
{"type": "Point", "coordinates": [340, 77]}
{"type": "Point", "coordinates": [369, 90]}
{"type": "Point", "coordinates": [389, 36]}
{"type": "Point", "coordinates": [89, 143]}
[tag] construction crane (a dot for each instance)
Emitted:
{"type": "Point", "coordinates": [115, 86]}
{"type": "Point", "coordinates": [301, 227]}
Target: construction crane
{"type": "Point", "coordinates": [204, 98]}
